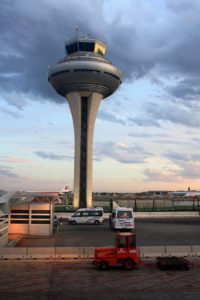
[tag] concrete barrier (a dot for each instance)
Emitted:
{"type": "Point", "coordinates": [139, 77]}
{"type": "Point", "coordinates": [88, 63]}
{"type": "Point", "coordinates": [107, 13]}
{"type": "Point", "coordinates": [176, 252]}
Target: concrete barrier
{"type": "Point", "coordinates": [152, 251]}
{"type": "Point", "coordinates": [88, 252]}
{"type": "Point", "coordinates": [166, 214]}
{"type": "Point", "coordinates": [69, 252]}
{"type": "Point", "coordinates": [179, 250]}
{"type": "Point", "coordinates": [13, 253]}
{"type": "Point", "coordinates": [41, 253]}
{"type": "Point", "coordinates": [195, 250]}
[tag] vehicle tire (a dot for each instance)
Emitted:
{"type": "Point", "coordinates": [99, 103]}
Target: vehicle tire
{"type": "Point", "coordinates": [74, 223]}
{"type": "Point", "coordinates": [96, 222]}
{"type": "Point", "coordinates": [160, 266]}
{"type": "Point", "coordinates": [128, 264]}
{"type": "Point", "coordinates": [104, 265]}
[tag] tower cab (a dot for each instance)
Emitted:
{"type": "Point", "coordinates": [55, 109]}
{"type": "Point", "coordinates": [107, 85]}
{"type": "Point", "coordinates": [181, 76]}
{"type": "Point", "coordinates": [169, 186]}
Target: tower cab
{"type": "Point", "coordinates": [85, 45]}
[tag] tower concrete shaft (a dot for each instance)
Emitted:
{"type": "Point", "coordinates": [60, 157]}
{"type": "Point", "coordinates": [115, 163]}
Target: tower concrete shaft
{"type": "Point", "coordinates": [84, 110]}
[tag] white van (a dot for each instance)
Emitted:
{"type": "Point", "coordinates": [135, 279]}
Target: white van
{"type": "Point", "coordinates": [122, 218]}
{"type": "Point", "coordinates": [87, 216]}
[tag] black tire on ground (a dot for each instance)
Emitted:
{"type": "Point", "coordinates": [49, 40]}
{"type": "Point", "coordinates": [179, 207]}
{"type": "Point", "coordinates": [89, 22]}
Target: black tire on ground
{"type": "Point", "coordinates": [74, 223]}
{"type": "Point", "coordinates": [96, 222]}
{"type": "Point", "coordinates": [128, 264]}
{"type": "Point", "coordinates": [104, 265]}
{"type": "Point", "coordinates": [160, 266]}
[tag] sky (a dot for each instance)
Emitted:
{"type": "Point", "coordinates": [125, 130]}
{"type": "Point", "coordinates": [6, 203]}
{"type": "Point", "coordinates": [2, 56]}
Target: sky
{"type": "Point", "coordinates": [146, 134]}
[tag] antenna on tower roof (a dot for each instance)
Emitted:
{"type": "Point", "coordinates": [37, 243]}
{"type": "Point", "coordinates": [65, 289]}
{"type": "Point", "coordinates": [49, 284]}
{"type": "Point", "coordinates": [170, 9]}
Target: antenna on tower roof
{"type": "Point", "coordinates": [76, 30]}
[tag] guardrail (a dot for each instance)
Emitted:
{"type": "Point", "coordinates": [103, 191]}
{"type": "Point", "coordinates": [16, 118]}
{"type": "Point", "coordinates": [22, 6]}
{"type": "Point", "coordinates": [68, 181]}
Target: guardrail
{"type": "Point", "coordinates": [42, 253]}
{"type": "Point", "coordinates": [137, 215]}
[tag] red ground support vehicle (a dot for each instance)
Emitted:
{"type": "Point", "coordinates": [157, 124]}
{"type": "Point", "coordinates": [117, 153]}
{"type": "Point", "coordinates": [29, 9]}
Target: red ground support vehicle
{"type": "Point", "coordinates": [124, 252]}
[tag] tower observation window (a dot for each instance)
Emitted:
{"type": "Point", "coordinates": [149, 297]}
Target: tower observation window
{"type": "Point", "coordinates": [72, 48]}
{"type": "Point", "coordinates": [86, 70]}
{"type": "Point", "coordinates": [83, 46]}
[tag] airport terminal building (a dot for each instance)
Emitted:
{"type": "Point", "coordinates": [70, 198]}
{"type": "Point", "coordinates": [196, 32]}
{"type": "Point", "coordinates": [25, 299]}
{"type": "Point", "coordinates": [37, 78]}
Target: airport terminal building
{"type": "Point", "coordinates": [26, 213]}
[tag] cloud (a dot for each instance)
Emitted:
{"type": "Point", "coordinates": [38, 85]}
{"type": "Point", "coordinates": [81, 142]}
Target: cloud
{"type": "Point", "coordinates": [165, 141]}
{"type": "Point", "coordinates": [189, 164]}
{"type": "Point", "coordinates": [11, 113]}
{"type": "Point", "coordinates": [163, 176]}
{"type": "Point", "coordinates": [144, 135]}
{"type": "Point", "coordinates": [142, 37]}
{"type": "Point", "coordinates": [143, 121]}
{"type": "Point", "coordinates": [14, 159]}
{"type": "Point", "coordinates": [196, 139]}
{"type": "Point", "coordinates": [6, 172]}
{"type": "Point", "coordinates": [52, 156]}
{"type": "Point", "coordinates": [103, 115]}
{"type": "Point", "coordinates": [120, 152]}
{"type": "Point", "coordinates": [190, 170]}
{"type": "Point", "coordinates": [173, 112]}
{"type": "Point", "coordinates": [187, 89]}
{"type": "Point", "coordinates": [182, 156]}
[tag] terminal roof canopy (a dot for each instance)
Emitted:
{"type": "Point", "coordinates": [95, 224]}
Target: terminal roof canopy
{"type": "Point", "coordinates": [26, 197]}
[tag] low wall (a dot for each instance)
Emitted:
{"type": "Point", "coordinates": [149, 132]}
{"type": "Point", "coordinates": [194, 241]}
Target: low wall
{"type": "Point", "coordinates": [4, 239]}
{"type": "Point", "coordinates": [137, 215]}
{"type": "Point", "coordinates": [88, 252]}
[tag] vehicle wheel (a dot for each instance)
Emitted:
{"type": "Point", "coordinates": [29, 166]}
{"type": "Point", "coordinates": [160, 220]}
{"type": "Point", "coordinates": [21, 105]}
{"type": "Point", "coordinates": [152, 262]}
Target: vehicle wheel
{"type": "Point", "coordinates": [104, 265]}
{"type": "Point", "coordinates": [74, 223]}
{"type": "Point", "coordinates": [128, 264]}
{"type": "Point", "coordinates": [160, 266]}
{"type": "Point", "coordinates": [96, 222]}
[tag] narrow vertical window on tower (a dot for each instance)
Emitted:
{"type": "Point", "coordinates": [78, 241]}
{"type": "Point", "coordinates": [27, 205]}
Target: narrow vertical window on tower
{"type": "Point", "coordinates": [83, 153]}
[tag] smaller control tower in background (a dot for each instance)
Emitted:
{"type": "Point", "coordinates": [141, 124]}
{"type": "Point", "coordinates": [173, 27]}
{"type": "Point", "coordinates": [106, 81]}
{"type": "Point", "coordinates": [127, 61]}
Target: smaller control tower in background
{"type": "Point", "coordinates": [84, 77]}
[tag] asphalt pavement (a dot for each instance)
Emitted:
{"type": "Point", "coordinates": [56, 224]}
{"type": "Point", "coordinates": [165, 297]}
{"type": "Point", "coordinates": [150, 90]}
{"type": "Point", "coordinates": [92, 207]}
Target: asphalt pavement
{"type": "Point", "coordinates": [150, 232]}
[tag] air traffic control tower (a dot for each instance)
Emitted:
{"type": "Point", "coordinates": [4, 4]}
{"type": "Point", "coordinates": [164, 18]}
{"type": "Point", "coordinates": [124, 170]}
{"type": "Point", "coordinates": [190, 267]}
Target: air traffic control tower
{"type": "Point", "coordinates": [84, 77]}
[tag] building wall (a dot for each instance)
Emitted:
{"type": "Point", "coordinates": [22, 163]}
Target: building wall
{"type": "Point", "coordinates": [40, 223]}
{"type": "Point", "coordinates": [31, 218]}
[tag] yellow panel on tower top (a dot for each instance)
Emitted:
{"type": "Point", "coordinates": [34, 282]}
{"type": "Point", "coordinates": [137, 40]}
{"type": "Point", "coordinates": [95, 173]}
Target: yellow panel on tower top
{"type": "Point", "coordinates": [99, 49]}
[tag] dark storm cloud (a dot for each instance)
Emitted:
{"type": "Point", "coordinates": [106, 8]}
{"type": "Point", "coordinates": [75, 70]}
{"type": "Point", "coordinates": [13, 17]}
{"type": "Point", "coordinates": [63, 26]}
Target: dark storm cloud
{"type": "Point", "coordinates": [52, 156]}
{"type": "Point", "coordinates": [121, 152]}
{"type": "Point", "coordinates": [188, 89]}
{"type": "Point", "coordinates": [165, 39]}
{"type": "Point", "coordinates": [32, 39]}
